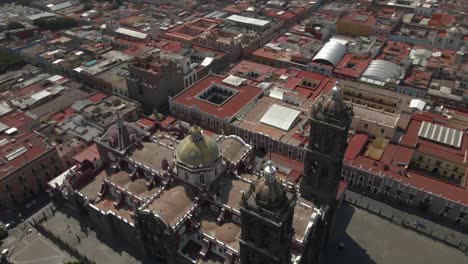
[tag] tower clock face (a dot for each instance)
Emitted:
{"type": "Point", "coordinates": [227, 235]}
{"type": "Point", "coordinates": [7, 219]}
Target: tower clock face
{"type": "Point", "coordinates": [111, 156]}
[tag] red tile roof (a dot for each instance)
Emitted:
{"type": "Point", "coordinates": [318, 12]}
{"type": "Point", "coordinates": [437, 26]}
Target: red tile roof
{"type": "Point", "coordinates": [353, 18]}
{"type": "Point", "coordinates": [411, 139]}
{"type": "Point", "coordinates": [245, 66]}
{"type": "Point", "coordinates": [145, 123]}
{"type": "Point", "coordinates": [283, 161]}
{"type": "Point", "coordinates": [245, 94]}
{"type": "Point", "coordinates": [90, 153]}
{"type": "Point", "coordinates": [438, 19]}
{"type": "Point", "coordinates": [417, 180]}
{"type": "Point", "coordinates": [355, 146]}
{"type": "Point", "coordinates": [97, 97]}
{"type": "Point", "coordinates": [167, 121]}
{"type": "Point", "coordinates": [352, 66]}
{"type": "Point", "coordinates": [63, 115]}
{"type": "Point", "coordinates": [16, 119]}
{"type": "Point", "coordinates": [394, 155]}
{"type": "Point", "coordinates": [33, 144]}
{"type": "Point", "coordinates": [28, 90]}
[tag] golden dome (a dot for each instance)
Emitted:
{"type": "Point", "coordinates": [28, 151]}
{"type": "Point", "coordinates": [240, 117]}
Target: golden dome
{"type": "Point", "coordinates": [197, 149]}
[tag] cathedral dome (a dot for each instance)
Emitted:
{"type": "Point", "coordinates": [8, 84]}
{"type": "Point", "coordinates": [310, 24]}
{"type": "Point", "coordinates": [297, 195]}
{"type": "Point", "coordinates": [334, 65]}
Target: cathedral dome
{"type": "Point", "coordinates": [113, 134]}
{"type": "Point", "coordinates": [121, 135]}
{"type": "Point", "coordinates": [268, 191]}
{"type": "Point", "coordinates": [197, 150]}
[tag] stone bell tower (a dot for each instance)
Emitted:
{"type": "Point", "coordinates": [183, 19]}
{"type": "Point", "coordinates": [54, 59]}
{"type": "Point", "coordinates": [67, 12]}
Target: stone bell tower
{"type": "Point", "coordinates": [267, 212]}
{"type": "Point", "coordinates": [330, 119]}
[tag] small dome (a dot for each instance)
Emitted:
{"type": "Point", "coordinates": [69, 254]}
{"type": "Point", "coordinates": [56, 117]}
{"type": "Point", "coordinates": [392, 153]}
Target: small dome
{"type": "Point", "coordinates": [455, 31]}
{"type": "Point", "coordinates": [334, 105]}
{"type": "Point", "coordinates": [269, 192]}
{"type": "Point", "coordinates": [197, 149]}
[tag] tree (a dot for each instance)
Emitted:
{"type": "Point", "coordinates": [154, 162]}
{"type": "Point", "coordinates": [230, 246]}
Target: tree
{"type": "Point", "coordinates": [9, 61]}
{"type": "Point", "coordinates": [14, 25]}
{"type": "Point", "coordinates": [87, 7]}
{"type": "Point", "coordinates": [116, 4]}
{"type": "Point", "coordinates": [56, 23]}
{"type": "Point", "coordinates": [3, 233]}
{"type": "Point", "coordinates": [23, 2]}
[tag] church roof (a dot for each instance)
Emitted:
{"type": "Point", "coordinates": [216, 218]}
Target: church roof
{"type": "Point", "coordinates": [121, 138]}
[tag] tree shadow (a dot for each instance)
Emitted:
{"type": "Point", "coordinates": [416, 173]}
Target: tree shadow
{"type": "Point", "coordinates": [352, 251]}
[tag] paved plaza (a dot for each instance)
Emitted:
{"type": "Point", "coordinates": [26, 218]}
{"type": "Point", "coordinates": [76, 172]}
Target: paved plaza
{"type": "Point", "coordinates": [94, 245]}
{"type": "Point", "coordinates": [27, 246]}
{"type": "Point", "coordinates": [370, 239]}
{"type": "Point", "coordinates": [367, 239]}
{"type": "Point", "coordinates": [389, 210]}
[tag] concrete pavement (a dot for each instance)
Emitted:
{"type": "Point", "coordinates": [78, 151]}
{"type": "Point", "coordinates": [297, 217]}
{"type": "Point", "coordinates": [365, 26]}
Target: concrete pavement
{"type": "Point", "coordinates": [411, 219]}
{"type": "Point", "coordinates": [368, 239]}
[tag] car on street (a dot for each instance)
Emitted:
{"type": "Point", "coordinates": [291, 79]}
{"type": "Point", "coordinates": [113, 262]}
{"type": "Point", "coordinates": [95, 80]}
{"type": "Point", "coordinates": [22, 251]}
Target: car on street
{"type": "Point", "coordinates": [4, 255]}
{"type": "Point", "coordinates": [30, 204]}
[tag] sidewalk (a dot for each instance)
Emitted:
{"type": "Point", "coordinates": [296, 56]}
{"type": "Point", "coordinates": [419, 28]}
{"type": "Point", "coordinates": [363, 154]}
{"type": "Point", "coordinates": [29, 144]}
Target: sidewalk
{"type": "Point", "coordinates": [418, 224]}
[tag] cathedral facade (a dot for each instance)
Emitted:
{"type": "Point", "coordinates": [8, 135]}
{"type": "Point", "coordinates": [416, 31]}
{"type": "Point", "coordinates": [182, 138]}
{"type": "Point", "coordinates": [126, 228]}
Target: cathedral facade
{"type": "Point", "coordinates": [183, 196]}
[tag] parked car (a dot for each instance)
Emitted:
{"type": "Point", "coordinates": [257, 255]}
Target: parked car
{"type": "Point", "coordinates": [4, 256]}
{"type": "Point", "coordinates": [30, 204]}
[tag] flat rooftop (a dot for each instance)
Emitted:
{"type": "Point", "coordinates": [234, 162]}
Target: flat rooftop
{"type": "Point", "coordinates": [302, 221]}
{"type": "Point", "coordinates": [18, 145]}
{"type": "Point", "coordinates": [241, 96]}
{"type": "Point", "coordinates": [230, 190]}
{"type": "Point", "coordinates": [151, 154]}
{"type": "Point", "coordinates": [59, 103]}
{"type": "Point", "coordinates": [393, 155]}
{"type": "Point", "coordinates": [172, 204]}
{"type": "Point", "coordinates": [232, 149]}
{"type": "Point", "coordinates": [374, 115]}
{"type": "Point", "coordinates": [251, 121]}
{"type": "Point", "coordinates": [248, 20]}
{"type": "Point", "coordinates": [103, 113]}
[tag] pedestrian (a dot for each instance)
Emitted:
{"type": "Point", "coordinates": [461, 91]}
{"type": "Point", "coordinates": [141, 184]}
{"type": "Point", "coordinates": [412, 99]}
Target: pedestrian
{"type": "Point", "coordinates": [341, 246]}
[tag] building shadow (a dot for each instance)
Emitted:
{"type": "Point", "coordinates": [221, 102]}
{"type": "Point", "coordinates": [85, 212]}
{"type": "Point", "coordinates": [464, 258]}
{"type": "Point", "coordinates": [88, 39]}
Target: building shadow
{"type": "Point", "coordinates": [352, 251]}
{"type": "Point", "coordinates": [114, 242]}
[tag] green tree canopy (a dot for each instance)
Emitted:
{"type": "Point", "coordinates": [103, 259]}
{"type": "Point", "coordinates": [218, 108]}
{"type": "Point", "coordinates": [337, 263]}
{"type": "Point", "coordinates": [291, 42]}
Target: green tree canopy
{"type": "Point", "coordinates": [3, 233]}
{"type": "Point", "coordinates": [87, 7]}
{"type": "Point", "coordinates": [56, 23]}
{"type": "Point", "coordinates": [9, 61]}
{"type": "Point", "coordinates": [14, 25]}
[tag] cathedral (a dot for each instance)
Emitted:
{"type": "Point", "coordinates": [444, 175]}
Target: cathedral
{"type": "Point", "coordinates": [182, 195]}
